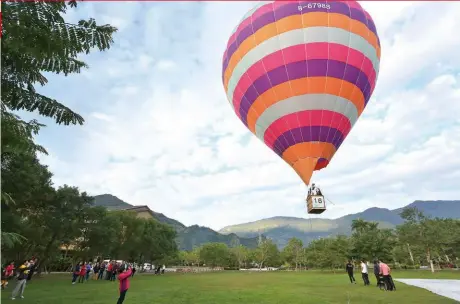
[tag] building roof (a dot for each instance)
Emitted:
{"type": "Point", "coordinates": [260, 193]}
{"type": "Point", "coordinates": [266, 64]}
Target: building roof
{"type": "Point", "coordinates": [143, 208]}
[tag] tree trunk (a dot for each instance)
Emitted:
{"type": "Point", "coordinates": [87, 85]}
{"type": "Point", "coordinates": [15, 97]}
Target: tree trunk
{"type": "Point", "coordinates": [410, 254]}
{"type": "Point", "coordinates": [45, 254]}
{"type": "Point", "coordinates": [428, 256]}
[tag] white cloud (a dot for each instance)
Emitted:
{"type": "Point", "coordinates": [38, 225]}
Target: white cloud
{"type": "Point", "coordinates": [162, 133]}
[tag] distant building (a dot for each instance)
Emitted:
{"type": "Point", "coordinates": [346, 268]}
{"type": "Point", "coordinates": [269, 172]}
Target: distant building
{"type": "Point", "coordinates": [142, 211]}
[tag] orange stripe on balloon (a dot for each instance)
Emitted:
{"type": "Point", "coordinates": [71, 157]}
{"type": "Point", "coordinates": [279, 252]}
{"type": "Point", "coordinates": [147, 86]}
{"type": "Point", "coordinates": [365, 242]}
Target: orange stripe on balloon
{"type": "Point", "coordinates": [301, 52]}
{"type": "Point", "coordinates": [307, 118]}
{"type": "Point", "coordinates": [298, 22]}
{"type": "Point", "coordinates": [302, 86]}
{"type": "Point", "coordinates": [304, 168]}
{"type": "Point", "coordinates": [309, 150]}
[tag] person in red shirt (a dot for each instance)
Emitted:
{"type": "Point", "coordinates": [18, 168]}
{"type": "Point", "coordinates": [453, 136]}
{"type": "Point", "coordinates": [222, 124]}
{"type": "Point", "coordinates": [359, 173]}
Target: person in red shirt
{"type": "Point", "coordinates": [123, 277]}
{"type": "Point", "coordinates": [109, 271]}
{"type": "Point", "coordinates": [9, 269]}
{"type": "Point", "coordinates": [7, 274]}
{"type": "Point", "coordinates": [82, 273]}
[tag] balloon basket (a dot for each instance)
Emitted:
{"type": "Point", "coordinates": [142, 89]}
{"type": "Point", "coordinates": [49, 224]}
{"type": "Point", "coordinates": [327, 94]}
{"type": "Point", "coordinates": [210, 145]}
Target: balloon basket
{"type": "Point", "coordinates": [316, 204]}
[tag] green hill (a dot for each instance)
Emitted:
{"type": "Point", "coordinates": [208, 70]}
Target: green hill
{"type": "Point", "coordinates": [281, 229]}
{"type": "Point", "coordinates": [187, 237]}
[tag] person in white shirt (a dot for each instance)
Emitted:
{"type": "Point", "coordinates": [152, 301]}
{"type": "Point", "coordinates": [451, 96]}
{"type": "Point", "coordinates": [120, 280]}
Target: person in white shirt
{"type": "Point", "coordinates": [364, 273]}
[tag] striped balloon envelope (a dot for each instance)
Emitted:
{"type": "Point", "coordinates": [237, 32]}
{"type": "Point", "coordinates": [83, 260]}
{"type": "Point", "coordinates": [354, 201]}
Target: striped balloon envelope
{"type": "Point", "coordinates": [299, 74]}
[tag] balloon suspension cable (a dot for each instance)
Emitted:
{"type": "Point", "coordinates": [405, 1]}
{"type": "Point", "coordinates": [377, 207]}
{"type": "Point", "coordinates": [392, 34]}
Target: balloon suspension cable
{"type": "Point", "coordinates": [328, 200]}
{"type": "Point", "coordinates": [323, 196]}
{"type": "Point", "coordinates": [312, 239]}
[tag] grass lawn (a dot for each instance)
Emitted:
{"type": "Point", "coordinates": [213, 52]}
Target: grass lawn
{"type": "Point", "coordinates": [232, 287]}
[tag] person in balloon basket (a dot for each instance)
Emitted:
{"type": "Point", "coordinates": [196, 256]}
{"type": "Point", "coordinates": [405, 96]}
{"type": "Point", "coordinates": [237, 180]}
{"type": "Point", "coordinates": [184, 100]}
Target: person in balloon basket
{"type": "Point", "coordinates": [123, 276]}
{"type": "Point", "coordinates": [349, 268]}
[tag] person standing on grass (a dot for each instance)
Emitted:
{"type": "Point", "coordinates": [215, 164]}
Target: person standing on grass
{"type": "Point", "coordinates": [133, 270]}
{"type": "Point", "coordinates": [364, 273]}
{"type": "Point", "coordinates": [115, 269]}
{"type": "Point", "coordinates": [96, 271]}
{"type": "Point", "coordinates": [123, 277]}
{"type": "Point", "coordinates": [109, 271]}
{"type": "Point", "coordinates": [76, 273]}
{"type": "Point", "coordinates": [33, 262]}
{"type": "Point", "coordinates": [377, 271]}
{"type": "Point", "coordinates": [7, 274]}
{"type": "Point", "coordinates": [100, 276]}
{"type": "Point", "coordinates": [88, 271]}
{"type": "Point", "coordinates": [82, 274]}
{"type": "Point", "coordinates": [385, 272]}
{"type": "Point", "coordinates": [23, 272]}
{"type": "Point", "coordinates": [349, 268]}
{"type": "Point", "coordinates": [4, 278]}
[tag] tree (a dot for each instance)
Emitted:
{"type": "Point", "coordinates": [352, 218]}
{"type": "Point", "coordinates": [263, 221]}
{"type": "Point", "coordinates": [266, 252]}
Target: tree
{"type": "Point", "coordinates": [214, 254]}
{"type": "Point", "coordinates": [370, 242]}
{"type": "Point", "coordinates": [428, 237]}
{"type": "Point", "coordinates": [20, 169]}
{"type": "Point", "coordinates": [37, 39]}
{"type": "Point", "coordinates": [293, 252]}
{"type": "Point", "coordinates": [194, 256]}
{"type": "Point", "coordinates": [267, 253]}
{"type": "Point", "coordinates": [62, 217]}
{"type": "Point", "coordinates": [241, 255]}
{"type": "Point", "coordinates": [98, 236]}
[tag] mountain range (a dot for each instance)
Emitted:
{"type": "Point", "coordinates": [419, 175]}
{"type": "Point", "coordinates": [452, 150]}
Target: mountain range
{"type": "Point", "coordinates": [187, 237]}
{"type": "Point", "coordinates": [280, 229]}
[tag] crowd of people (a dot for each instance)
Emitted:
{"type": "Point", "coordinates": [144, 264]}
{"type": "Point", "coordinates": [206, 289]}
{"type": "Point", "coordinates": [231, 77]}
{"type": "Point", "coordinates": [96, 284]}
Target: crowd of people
{"type": "Point", "coordinates": [23, 273]}
{"type": "Point", "coordinates": [110, 270]}
{"type": "Point", "coordinates": [382, 274]}
{"type": "Point", "coordinates": [107, 270]}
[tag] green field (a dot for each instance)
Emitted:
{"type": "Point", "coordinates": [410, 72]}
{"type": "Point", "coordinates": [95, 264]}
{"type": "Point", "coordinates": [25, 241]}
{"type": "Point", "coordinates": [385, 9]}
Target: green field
{"type": "Point", "coordinates": [232, 287]}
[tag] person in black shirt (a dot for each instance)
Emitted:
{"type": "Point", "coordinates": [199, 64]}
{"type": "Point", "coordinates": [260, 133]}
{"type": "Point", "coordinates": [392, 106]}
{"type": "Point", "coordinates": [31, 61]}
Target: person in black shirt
{"type": "Point", "coordinates": [349, 268]}
{"type": "Point", "coordinates": [101, 271]}
{"type": "Point", "coordinates": [377, 271]}
{"type": "Point", "coordinates": [133, 271]}
{"type": "Point", "coordinates": [33, 264]}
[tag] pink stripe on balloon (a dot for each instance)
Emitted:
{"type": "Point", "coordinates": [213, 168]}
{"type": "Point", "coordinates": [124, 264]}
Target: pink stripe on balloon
{"type": "Point", "coordinates": [308, 118]}
{"type": "Point", "coordinates": [259, 12]}
{"type": "Point", "coordinates": [303, 52]}
{"type": "Point", "coordinates": [353, 4]}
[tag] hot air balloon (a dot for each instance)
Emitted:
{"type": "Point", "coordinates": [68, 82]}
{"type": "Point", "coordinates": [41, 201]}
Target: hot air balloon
{"type": "Point", "coordinates": [298, 74]}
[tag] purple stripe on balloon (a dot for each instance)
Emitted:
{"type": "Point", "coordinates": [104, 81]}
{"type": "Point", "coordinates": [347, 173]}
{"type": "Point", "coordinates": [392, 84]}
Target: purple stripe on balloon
{"type": "Point", "coordinates": [299, 69]}
{"type": "Point", "coordinates": [308, 134]}
{"type": "Point", "coordinates": [290, 10]}
{"type": "Point", "coordinates": [322, 160]}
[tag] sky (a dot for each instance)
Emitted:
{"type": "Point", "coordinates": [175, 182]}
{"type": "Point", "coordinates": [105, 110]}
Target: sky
{"type": "Point", "coordinates": [159, 130]}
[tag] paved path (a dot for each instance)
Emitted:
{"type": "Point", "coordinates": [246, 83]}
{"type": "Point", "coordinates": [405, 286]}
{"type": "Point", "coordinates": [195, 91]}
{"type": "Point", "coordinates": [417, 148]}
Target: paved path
{"type": "Point", "coordinates": [446, 288]}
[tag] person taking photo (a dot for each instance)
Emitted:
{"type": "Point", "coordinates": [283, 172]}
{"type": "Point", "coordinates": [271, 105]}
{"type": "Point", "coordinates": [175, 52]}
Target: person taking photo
{"type": "Point", "coordinates": [123, 276]}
